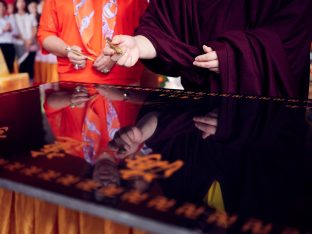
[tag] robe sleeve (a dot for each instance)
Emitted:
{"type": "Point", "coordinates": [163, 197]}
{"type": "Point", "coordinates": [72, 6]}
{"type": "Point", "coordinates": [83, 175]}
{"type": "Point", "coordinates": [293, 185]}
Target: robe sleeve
{"type": "Point", "coordinates": [48, 23]}
{"type": "Point", "coordinates": [173, 54]}
{"type": "Point", "coordinates": [269, 59]}
{"type": "Point", "coordinates": [265, 57]}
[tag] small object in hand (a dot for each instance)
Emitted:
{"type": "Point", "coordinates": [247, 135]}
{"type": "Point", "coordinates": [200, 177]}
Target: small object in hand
{"type": "Point", "coordinates": [69, 49]}
{"type": "Point", "coordinates": [117, 49]}
{"type": "Point", "coordinates": [105, 70]}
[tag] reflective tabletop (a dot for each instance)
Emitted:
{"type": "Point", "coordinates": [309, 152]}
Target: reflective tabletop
{"type": "Point", "coordinates": [165, 161]}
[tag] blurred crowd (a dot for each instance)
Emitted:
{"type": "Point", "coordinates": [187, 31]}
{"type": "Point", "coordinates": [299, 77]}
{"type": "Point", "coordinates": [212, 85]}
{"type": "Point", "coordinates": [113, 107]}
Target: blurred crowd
{"type": "Point", "coordinates": [18, 41]}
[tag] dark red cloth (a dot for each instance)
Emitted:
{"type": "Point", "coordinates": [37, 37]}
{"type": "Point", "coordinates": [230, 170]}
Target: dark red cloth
{"type": "Point", "coordinates": [263, 45]}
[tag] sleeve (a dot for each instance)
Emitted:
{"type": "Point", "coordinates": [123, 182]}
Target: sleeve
{"type": "Point", "coordinates": [15, 31]}
{"type": "Point", "coordinates": [161, 25]}
{"type": "Point", "coordinates": [270, 58]}
{"type": "Point", "coordinates": [48, 22]}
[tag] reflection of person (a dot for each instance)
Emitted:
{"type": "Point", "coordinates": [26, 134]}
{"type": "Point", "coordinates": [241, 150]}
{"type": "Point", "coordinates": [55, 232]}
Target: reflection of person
{"type": "Point", "coordinates": [258, 48]}
{"type": "Point", "coordinates": [82, 115]}
{"type": "Point", "coordinates": [256, 159]}
{"type": "Point", "coordinates": [7, 31]}
{"type": "Point", "coordinates": [84, 26]}
{"type": "Point", "coordinates": [129, 139]}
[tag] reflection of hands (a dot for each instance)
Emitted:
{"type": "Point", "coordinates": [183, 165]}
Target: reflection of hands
{"type": "Point", "coordinates": [208, 60]}
{"type": "Point", "coordinates": [207, 124]}
{"type": "Point", "coordinates": [111, 93]}
{"type": "Point", "coordinates": [126, 141]}
{"type": "Point", "coordinates": [78, 61]}
{"type": "Point", "coordinates": [106, 171]}
{"type": "Point", "coordinates": [79, 97]}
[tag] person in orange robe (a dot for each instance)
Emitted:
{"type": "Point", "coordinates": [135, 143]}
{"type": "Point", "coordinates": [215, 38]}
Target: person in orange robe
{"type": "Point", "coordinates": [83, 26]}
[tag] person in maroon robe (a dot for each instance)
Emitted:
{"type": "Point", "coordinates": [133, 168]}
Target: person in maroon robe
{"type": "Point", "coordinates": [258, 47]}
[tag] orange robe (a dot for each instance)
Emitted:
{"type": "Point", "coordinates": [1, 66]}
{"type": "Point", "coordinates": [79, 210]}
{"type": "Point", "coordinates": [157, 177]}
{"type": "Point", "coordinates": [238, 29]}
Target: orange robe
{"type": "Point", "coordinates": [58, 19]}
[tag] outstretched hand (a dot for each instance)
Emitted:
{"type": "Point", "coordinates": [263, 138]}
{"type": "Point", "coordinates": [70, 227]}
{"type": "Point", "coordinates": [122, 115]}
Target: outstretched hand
{"type": "Point", "coordinates": [128, 45]}
{"type": "Point", "coordinates": [208, 60]}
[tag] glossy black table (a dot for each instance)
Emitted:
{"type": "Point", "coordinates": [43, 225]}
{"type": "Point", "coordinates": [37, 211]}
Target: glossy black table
{"type": "Point", "coordinates": [242, 166]}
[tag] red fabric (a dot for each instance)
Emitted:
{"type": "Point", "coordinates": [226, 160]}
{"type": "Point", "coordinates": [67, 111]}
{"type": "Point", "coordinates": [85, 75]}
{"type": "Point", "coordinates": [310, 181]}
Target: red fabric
{"type": "Point", "coordinates": [263, 45]}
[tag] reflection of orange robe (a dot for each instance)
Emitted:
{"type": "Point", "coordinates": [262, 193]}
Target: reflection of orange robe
{"type": "Point", "coordinates": [58, 19]}
{"type": "Point", "coordinates": [94, 124]}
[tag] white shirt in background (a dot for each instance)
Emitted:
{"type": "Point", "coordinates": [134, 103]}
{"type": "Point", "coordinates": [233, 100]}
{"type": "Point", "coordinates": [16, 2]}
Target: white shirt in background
{"type": "Point", "coordinates": [25, 24]}
{"type": "Point", "coordinates": [8, 37]}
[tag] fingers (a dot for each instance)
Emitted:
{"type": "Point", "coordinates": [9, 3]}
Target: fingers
{"type": "Point", "coordinates": [126, 140]}
{"type": "Point", "coordinates": [128, 59]}
{"type": "Point", "coordinates": [78, 61]}
{"type": "Point", "coordinates": [209, 56]}
{"type": "Point", "coordinates": [207, 124]}
{"type": "Point", "coordinates": [213, 64]}
{"type": "Point", "coordinates": [79, 98]}
{"type": "Point", "coordinates": [103, 62]}
{"type": "Point", "coordinates": [206, 120]}
{"type": "Point", "coordinates": [208, 60]}
{"type": "Point", "coordinates": [207, 49]}
{"type": "Point", "coordinates": [118, 39]}
{"type": "Point", "coordinates": [207, 130]}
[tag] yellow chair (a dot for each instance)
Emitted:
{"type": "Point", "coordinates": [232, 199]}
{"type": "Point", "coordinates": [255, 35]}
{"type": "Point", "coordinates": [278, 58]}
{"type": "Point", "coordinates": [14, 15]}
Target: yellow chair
{"type": "Point", "coordinates": [9, 82]}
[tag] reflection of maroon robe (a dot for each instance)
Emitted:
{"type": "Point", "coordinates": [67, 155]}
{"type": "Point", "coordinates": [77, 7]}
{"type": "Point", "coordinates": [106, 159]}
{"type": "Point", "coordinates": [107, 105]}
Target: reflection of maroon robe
{"type": "Point", "coordinates": [262, 45]}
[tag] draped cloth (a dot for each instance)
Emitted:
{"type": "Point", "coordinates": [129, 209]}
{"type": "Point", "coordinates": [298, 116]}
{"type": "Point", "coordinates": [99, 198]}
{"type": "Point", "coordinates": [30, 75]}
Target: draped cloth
{"type": "Point", "coordinates": [262, 45]}
{"type": "Point", "coordinates": [84, 14]}
{"type": "Point", "coordinates": [25, 215]}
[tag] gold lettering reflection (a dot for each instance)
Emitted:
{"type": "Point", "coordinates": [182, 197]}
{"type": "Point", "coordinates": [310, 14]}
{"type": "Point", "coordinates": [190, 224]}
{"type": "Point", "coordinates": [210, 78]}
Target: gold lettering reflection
{"type": "Point", "coordinates": [150, 167]}
{"type": "Point", "coordinates": [88, 185]}
{"type": "Point", "coordinates": [62, 146]}
{"type": "Point", "coordinates": [67, 180]}
{"type": "Point", "coordinates": [31, 171]}
{"type": "Point", "coordinates": [190, 211]}
{"type": "Point", "coordinates": [221, 219]}
{"type": "Point", "coordinates": [14, 166]}
{"type": "Point", "coordinates": [49, 175]}
{"type": "Point", "coordinates": [134, 197]}
{"type": "Point", "coordinates": [110, 191]}
{"type": "Point", "coordinates": [256, 226]}
{"type": "Point", "coordinates": [161, 203]}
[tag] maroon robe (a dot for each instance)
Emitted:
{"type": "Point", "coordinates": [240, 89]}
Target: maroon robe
{"type": "Point", "coordinates": [262, 45]}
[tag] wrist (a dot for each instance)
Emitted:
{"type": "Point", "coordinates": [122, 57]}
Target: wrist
{"type": "Point", "coordinates": [145, 47]}
{"type": "Point", "coordinates": [67, 50]}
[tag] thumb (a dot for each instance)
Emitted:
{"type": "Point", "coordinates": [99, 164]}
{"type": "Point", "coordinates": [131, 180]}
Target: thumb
{"type": "Point", "coordinates": [118, 39]}
{"type": "Point", "coordinates": [207, 49]}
